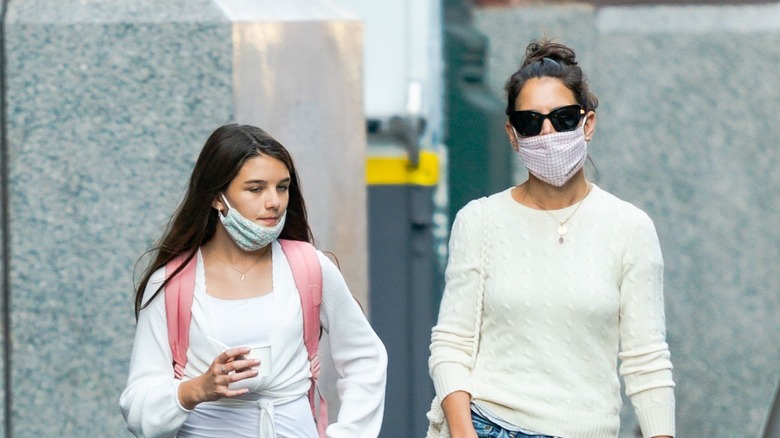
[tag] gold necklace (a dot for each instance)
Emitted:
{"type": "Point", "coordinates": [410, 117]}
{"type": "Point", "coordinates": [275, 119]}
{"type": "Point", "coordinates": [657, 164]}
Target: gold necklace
{"type": "Point", "coordinates": [243, 273]}
{"type": "Point", "coordinates": [562, 230]}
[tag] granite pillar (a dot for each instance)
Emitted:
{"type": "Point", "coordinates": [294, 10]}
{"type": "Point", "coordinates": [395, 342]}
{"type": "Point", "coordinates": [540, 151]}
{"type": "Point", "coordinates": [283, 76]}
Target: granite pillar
{"type": "Point", "coordinates": [108, 103]}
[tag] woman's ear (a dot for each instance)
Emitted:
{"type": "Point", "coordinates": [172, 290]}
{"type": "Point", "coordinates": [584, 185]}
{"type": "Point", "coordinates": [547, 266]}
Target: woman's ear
{"type": "Point", "coordinates": [590, 125]}
{"type": "Point", "coordinates": [510, 132]}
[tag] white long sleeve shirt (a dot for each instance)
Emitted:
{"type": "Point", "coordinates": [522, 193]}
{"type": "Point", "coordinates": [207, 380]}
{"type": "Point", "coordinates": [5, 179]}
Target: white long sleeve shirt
{"type": "Point", "coordinates": [556, 317]}
{"type": "Point", "coordinates": [150, 401]}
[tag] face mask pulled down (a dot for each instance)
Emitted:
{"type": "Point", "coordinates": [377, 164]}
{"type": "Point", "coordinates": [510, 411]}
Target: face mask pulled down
{"type": "Point", "coordinates": [553, 158]}
{"type": "Point", "coordinates": [248, 235]}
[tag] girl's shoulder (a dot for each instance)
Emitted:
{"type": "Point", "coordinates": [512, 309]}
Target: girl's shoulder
{"type": "Point", "coordinates": [154, 283]}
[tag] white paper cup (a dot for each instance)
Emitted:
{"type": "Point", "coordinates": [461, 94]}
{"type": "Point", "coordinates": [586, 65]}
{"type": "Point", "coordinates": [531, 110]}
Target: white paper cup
{"type": "Point", "coordinates": [264, 355]}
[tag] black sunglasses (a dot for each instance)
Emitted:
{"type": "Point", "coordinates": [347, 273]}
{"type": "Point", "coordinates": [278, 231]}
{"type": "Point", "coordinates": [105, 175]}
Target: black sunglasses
{"type": "Point", "coordinates": [529, 123]}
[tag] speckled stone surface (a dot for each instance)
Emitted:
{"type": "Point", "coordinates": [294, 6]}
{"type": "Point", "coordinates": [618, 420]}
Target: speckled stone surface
{"type": "Point", "coordinates": [2, 275]}
{"type": "Point", "coordinates": [2, 303]}
{"type": "Point", "coordinates": [687, 131]}
{"type": "Point", "coordinates": [108, 104]}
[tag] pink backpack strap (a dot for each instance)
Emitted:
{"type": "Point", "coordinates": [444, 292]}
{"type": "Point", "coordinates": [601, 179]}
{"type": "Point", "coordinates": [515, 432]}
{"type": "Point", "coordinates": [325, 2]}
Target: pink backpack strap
{"type": "Point", "coordinates": [307, 272]}
{"type": "Point", "coordinates": [179, 293]}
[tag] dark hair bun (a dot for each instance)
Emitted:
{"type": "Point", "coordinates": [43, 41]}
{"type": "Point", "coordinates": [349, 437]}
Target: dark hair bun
{"type": "Point", "coordinates": [539, 50]}
{"type": "Point", "coordinates": [547, 59]}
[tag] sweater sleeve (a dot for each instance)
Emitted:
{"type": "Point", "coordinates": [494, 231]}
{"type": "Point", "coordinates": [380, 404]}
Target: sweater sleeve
{"type": "Point", "coordinates": [359, 357]}
{"type": "Point", "coordinates": [150, 402]}
{"type": "Point", "coordinates": [646, 366]}
{"type": "Point", "coordinates": [454, 337]}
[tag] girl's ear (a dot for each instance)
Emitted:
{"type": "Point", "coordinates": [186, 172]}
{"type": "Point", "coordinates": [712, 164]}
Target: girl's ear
{"type": "Point", "coordinates": [218, 205]}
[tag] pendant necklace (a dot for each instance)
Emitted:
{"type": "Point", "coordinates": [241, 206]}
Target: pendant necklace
{"type": "Point", "coordinates": [243, 273]}
{"type": "Point", "coordinates": [562, 230]}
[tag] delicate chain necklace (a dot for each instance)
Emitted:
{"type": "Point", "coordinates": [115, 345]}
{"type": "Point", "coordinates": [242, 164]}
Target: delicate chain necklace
{"type": "Point", "coordinates": [243, 273]}
{"type": "Point", "coordinates": [562, 230]}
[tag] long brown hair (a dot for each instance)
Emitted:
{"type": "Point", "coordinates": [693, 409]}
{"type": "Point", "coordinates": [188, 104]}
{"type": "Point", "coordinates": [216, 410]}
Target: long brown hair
{"type": "Point", "coordinates": [195, 221]}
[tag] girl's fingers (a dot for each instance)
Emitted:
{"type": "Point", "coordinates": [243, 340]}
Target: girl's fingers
{"type": "Point", "coordinates": [241, 375]}
{"type": "Point", "coordinates": [231, 366]}
{"type": "Point", "coordinates": [237, 366]}
{"type": "Point", "coordinates": [245, 364]}
{"type": "Point", "coordinates": [232, 353]}
{"type": "Point", "coordinates": [234, 393]}
{"type": "Point", "coordinates": [237, 376]}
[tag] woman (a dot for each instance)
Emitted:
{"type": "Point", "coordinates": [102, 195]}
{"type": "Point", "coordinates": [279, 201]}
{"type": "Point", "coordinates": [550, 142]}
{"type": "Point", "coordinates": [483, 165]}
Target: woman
{"type": "Point", "coordinates": [549, 283]}
{"type": "Point", "coordinates": [243, 195]}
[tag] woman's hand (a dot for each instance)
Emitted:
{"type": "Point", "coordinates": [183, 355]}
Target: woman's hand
{"type": "Point", "coordinates": [213, 384]}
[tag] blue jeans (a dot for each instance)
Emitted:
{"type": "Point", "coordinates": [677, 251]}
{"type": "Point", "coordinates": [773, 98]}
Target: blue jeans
{"type": "Point", "coordinates": [487, 429]}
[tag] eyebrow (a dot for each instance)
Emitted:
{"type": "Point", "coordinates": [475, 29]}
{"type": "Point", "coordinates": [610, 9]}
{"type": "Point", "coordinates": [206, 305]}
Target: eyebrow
{"type": "Point", "coordinates": [554, 109]}
{"type": "Point", "coordinates": [262, 181]}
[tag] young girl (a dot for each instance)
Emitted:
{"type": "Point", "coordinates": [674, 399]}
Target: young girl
{"type": "Point", "coordinates": [549, 283]}
{"type": "Point", "coordinates": [243, 195]}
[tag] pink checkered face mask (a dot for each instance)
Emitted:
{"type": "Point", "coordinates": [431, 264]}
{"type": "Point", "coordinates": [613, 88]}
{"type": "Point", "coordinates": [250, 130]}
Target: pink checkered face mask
{"type": "Point", "coordinates": [553, 158]}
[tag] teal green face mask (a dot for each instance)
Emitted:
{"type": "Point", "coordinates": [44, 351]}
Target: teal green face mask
{"type": "Point", "coordinates": [248, 235]}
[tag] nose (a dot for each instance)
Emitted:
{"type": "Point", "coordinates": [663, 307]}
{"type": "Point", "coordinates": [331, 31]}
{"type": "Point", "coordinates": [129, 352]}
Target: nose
{"type": "Point", "coordinates": [547, 127]}
{"type": "Point", "coordinates": [272, 201]}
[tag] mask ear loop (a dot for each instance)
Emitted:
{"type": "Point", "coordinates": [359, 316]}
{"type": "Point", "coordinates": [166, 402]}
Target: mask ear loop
{"type": "Point", "coordinates": [517, 138]}
{"type": "Point", "coordinates": [585, 134]}
{"type": "Point", "coordinates": [228, 207]}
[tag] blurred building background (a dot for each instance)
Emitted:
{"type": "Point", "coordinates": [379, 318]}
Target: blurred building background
{"type": "Point", "coordinates": [393, 112]}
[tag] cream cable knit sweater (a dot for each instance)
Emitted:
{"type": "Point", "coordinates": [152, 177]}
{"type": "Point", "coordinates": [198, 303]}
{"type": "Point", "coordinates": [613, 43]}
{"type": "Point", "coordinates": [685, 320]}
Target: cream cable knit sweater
{"type": "Point", "coordinates": [556, 317]}
{"type": "Point", "coordinates": [150, 404]}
